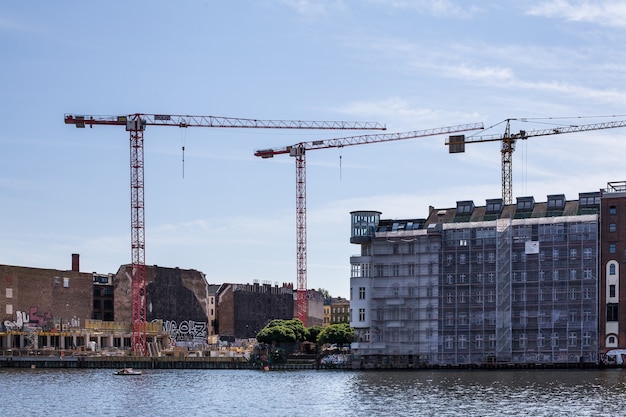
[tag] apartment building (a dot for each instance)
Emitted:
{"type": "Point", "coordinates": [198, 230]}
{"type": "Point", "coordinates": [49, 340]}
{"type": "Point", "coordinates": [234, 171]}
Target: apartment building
{"type": "Point", "coordinates": [471, 284]}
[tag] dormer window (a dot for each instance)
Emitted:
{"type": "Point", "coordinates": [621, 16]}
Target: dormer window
{"type": "Point", "coordinates": [494, 206]}
{"type": "Point", "coordinates": [464, 207]}
{"type": "Point", "coordinates": [556, 202]}
{"type": "Point", "coordinates": [589, 199]}
{"type": "Point", "coordinates": [525, 203]}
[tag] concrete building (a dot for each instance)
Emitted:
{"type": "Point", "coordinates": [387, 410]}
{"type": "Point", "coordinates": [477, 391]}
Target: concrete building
{"type": "Point", "coordinates": [478, 284]}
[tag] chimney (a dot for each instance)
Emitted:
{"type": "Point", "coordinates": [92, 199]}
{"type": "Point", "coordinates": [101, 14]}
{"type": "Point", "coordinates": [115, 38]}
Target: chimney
{"type": "Point", "coordinates": [75, 262]}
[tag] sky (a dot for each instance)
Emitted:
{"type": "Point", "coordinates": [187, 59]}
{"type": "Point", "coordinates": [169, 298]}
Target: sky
{"type": "Point", "coordinates": [216, 208]}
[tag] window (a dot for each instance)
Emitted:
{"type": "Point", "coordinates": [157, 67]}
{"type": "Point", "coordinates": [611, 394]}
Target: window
{"type": "Point", "coordinates": [612, 210]}
{"type": "Point", "coordinates": [479, 341]}
{"type": "Point", "coordinates": [463, 319]}
{"type": "Point", "coordinates": [611, 247]}
{"type": "Point", "coordinates": [612, 290]}
{"type": "Point", "coordinates": [449, 342]}
{"type": "Point", "coordinates": [396, 270]}
{"type": "Point", "coordinates": [361, 314]}
{"type": "Point", "coordinates": [611, 312]}
{"type": "Point", "coordinates": [612, 269]}
{"type": "Point", "coordinates": [9, 293]}
{"type": "Point", "coordinates": [612, 227]}
{"type": "Point", "coordinates": [462, 341]}
{"type": "Point", "coordinates": [540, 339]}
{"type": "Point", "coordinates": [522, 340]}
{"type": "Point", "coordinates": [572, 339]}
{"type": "Point", "coordinates": [361, 293]}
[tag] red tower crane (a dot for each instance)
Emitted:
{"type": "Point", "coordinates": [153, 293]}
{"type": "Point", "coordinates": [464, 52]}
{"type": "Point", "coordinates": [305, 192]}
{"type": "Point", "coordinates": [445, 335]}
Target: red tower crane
{"type": "Point", "coordinates": [135, 124]}
{"type": "Point", "coordinates": [457, 145]}
{"type": "Point", "coordinates": [299, 151]}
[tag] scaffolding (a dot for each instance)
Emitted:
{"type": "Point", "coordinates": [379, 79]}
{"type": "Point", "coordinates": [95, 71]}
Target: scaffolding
{"type": "Point", "coordinates": [515, 291]}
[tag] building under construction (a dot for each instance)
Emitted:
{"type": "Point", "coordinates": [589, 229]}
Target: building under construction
{"type": "Point", "coordinates": [494, 283]}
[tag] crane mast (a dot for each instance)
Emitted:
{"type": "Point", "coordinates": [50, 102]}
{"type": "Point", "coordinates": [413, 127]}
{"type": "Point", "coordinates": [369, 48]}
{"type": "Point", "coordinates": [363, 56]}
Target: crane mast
{"type": "Point", "coordinates": [456, 144]}
{"type": "Point", "coordinates": [135, 124]}
{"type": "Point", "coordinates": [298, 151]}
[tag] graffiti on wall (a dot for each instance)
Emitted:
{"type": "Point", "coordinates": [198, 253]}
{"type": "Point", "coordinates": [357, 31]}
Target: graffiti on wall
{"type": "Point", "coordinates": [189, 333]}
{"type": "Point", "coordinates": [31, 319]}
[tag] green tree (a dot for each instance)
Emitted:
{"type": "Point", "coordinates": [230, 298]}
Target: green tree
{"type": "Point", "coordinates": [340, 334]}
{"type": "Point", "coordinates": [283, 331]}
{"type": "Point", "coordinates": [276, 335]}
{"type": "Point", "coordinates": [325, 293]}
{"type": "Point", "coordinates": [314, 331]}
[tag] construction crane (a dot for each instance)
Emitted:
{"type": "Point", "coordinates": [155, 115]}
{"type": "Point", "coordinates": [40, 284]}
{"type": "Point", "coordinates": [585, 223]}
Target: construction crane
{"type": "Point", "coordinates": [457, 145]}
{"type": "Point", "coordinates": [298, 151]}
{"type": "Point", "coordinates": [135, 124]}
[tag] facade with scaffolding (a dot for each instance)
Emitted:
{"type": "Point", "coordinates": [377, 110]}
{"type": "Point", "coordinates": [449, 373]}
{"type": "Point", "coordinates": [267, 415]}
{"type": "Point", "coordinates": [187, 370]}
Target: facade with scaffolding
{"type": "Point", "coordinates": [514, 284]}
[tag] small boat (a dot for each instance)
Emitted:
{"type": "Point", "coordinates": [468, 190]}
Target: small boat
{"type": "Point", "coordinates": [127, 371]}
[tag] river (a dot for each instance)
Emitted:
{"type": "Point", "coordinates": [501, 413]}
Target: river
{"type": "Point", "coordinates": [184, 393]}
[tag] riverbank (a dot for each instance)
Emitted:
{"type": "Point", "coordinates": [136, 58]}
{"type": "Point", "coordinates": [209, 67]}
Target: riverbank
{"type": "Point", "coordinates": [117, 362]}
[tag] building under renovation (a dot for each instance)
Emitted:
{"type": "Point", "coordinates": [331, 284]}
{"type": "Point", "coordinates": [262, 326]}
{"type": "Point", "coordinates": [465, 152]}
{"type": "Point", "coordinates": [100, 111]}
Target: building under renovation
{"type": "Point", "coordinates": [471, 284]}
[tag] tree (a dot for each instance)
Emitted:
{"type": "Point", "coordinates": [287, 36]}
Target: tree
{"type": "Point", "coordinates": [340, 334]}
{"type": "Point", "coordinates": [314, 331]}
{"type": "Point", "coordinates": [276, 335]}
{"type": "Point", "coordinates": [283, 331]}
{"type": "Point", "coordinates": [325, 293]}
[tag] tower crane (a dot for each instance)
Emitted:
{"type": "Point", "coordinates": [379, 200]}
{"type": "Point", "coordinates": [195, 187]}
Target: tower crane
{"type": "Point", "coordinates": [457, 145]}
{"type": "Point", "coordinates": [135, 124]}
{"type": "Point", "coordinates": [298, 151]}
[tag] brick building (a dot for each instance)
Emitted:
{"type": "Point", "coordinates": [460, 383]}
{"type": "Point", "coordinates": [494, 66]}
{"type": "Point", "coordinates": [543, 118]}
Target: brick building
{"type": "Point", "coordinates": [180, 298]}
{"type": "Point", "coordinates": [244, 309]}
{"type": "Point", "coordinates": [48, 299]}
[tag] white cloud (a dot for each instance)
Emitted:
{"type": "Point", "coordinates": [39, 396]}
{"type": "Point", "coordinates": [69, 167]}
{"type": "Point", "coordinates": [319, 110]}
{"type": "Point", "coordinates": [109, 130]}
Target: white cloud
{"type": "Point", "coordinates": [604, 13]}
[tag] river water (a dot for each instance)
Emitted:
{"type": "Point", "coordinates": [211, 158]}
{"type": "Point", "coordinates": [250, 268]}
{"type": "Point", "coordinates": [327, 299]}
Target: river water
{"type": "Point", "coordinates": [183, 393]}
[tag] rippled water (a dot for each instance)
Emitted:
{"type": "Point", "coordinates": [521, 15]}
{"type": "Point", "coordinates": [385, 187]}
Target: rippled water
{"type": "Point", "coordinates": [77, 392]}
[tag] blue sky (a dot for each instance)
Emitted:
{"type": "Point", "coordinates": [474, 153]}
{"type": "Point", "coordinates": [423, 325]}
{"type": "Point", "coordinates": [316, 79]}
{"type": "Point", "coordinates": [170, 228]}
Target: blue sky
{"type": "Point", "coordinates": [412, 65]}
